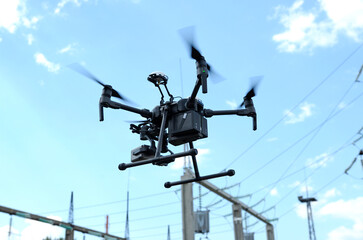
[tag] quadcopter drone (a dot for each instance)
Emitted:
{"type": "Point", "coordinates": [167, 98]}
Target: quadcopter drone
{"type": "Point", "coordinates": [171, 122]}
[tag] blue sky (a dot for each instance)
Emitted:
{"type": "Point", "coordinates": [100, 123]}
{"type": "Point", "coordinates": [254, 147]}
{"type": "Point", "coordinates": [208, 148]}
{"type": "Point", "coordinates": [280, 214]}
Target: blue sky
{"type": "Point", "coordinates": [309, 110]}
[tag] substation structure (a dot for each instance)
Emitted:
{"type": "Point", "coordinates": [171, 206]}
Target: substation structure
{"type": "Point", "coordinates": [237, 207]}
{"type": "Point", "coordinates": [70, 228]}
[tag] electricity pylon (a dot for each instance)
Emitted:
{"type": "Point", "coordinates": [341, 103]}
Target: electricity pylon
{"type": "Point", "coordinates": [310, 215]}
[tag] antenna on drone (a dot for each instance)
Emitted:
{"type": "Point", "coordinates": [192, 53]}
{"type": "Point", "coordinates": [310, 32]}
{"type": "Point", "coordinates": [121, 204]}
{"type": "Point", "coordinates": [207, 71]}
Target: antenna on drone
{"type": "Point", "coordinates": [310, 215]}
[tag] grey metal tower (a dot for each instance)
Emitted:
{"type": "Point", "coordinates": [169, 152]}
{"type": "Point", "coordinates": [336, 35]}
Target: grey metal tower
{"type": "Point", "coordinates": [168, 233]}
{"type": "Point", "coordinates": [310, 215]}
{"type": "Point", "coordinates": [127, 230]}
{"type": "Point", "coordinates": [70, 215]}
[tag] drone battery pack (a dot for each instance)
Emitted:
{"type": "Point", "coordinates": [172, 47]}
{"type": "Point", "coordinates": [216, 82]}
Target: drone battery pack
{"type": "Point", "coordinates": [186, 127]}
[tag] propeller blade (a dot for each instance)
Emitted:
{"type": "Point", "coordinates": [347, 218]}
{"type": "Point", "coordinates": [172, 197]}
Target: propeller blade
{"type": "Point", "coordinates": [196, 55]}
{"type": "Point", "coordinates": [81, 70]}
{"type": "Point", "coordinates": [255, 81]}
{"type": "Point", "coordinates": [187, 35]}
{"type": "Point", "coordinates": [215, 76]}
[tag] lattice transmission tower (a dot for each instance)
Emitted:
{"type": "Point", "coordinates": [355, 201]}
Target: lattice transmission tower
{"type": "Point", "coordinates": [310, 215]}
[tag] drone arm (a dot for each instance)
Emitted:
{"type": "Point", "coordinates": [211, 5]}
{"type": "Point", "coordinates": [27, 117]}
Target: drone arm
{"type": "Point", "coordinates": [249, 111]}
{"type": "Point", "coordinates": [106, 102]}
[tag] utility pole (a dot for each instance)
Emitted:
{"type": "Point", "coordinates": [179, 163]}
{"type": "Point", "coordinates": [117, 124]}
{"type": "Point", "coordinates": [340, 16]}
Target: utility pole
{"type": "Point", "coordinates": [187, 208]}
{"type": "Point", "coordinates": [310, 215]}
{"type": "Point", "coordinates": [106, 224]}
{"type": "Point", "coordinates": [236, 215]}
{"type": "Point", "coordinates": [237, 221]}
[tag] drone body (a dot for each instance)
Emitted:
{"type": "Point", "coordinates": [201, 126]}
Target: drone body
{"type": "Point", "coordinates": [175, 122]}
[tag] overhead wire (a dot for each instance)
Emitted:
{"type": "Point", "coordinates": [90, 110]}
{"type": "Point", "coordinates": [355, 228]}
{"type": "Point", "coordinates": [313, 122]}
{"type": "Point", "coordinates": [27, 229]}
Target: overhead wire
{"type": "Point", "coordinates": [324, 186]}
{"type": "Point", "coordinates": [132, 210]}
{"type": "Point", "coordinates": [138, 219]}
{"type": "Point", "coordinates": [295, 106]}
{"type": "Point", "coordinates": [313, 137]}
{"type": "Point", "coordinates": [299, 140]}
{"type": "Point", "coordinates": [109, 203]}
{"type": "Point", "coordinates": [293, 189]}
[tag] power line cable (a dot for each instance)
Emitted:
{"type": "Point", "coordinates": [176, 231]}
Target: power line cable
{"type": "Point", "coordinates": [294, 107]}
{"type": "Point", "coordinates": [327, 184]}
{"type": "Point", "coordinates": [139, 219]}
{"type": "Point", "coordinates": [346, 144]}
{"type": "Point", "coordinates": [133, 210]}
{"type": "Point", "coordinates": [293, 189]}
{"type": "Point", "coordinates": [299, 140]}
{"type": "Point", "coordinates": [313, 137]}
{"type": "Point", "coordinates": [110, 203]}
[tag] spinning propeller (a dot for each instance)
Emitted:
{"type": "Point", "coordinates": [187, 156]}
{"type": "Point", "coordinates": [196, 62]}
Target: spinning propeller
{"type": "Point", "coordinates": [187, 34]}
{"type": "Point", "coordinates": [255, 81]}
{"type": "Point", "coordinates": [81, 70]}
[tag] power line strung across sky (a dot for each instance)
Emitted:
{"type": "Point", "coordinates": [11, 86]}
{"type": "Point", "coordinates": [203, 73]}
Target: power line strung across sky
{"type": "Point", "coordinates": [345, 145]}
{"type": "Point", "coordinates": [299, 140]}
{"type": "Point", "coordinates": [131, 210]}
{"type": "Point", "coordinates": [313, 137]}
{"type": "Point", "coordinates": [295, 106]}
{"type": "Point", "coordinates": [324, 186]}
{"type": "Point", "coordinates": [110, 203]}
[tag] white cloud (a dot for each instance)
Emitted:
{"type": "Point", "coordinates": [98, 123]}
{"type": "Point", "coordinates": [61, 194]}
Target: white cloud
{"type": "Point", "coordinates": [30, 39]}
{"type": "Point", "coordinates": [344, 233]}
{"type": "Point", "coordinates": [41, 59]}
{"type": "Point", "coordinates": [273, 139]}
{"type": "Point", "coordinates": [179, 162]}
{"type": "Point", "coordinates": [318, 27]}
{"type": "Point", "coordinates": [346, 16]}
{"type": "Point", "coordinates": [30, 23]}
{"type": "Point", "coordinates": [232, 104]}
{"type": "Point", "coordinates": [62, 3]}
{"type": "Point", "coordinates": [350, 210]}
{"type": "Point", "coordinates": [319, 161]}
{"type": "Point", "coordinates": [304, 187]}
{"type": "Point", "coordinates": [70, 48]}
{"type": "Point", "coordinates": [1, 39]}
{"type": "Point", "coordinates": [274, 192]}
{"type": "Point", "coordinates": [305, 112]}
{"type": "Point", "coordinates": [294, 184]}
{"type": "Point", "coordinates": [13, 15]}
{"type": "Point", "coordinates": [301, 210]}
{"type": "Point", "coordinates": [4, 232]}
{"type": "Point", "coordinates": [331, 193]}
{"type": "Point", "coordinates": [39, 230]}
{"type": "Point", "coordinates": [33, 230]}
